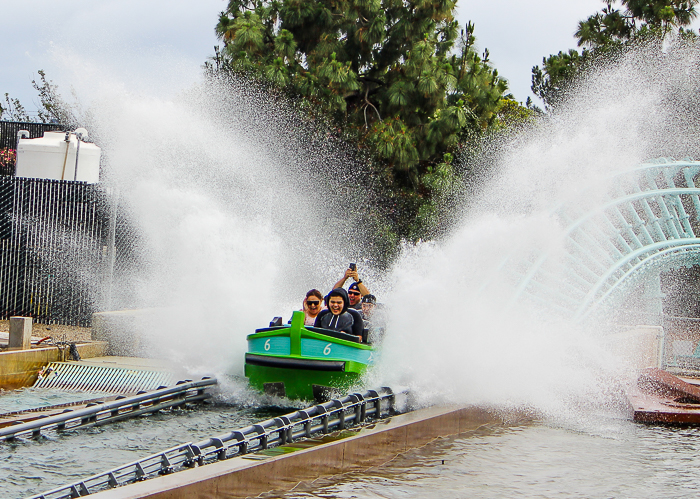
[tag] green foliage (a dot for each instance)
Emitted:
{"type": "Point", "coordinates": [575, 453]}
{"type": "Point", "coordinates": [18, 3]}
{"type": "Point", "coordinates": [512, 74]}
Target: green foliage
{"type": "Point", "coordinates": [513, 116]}
{"type": "Point", "coordinates": [8, 158]}
{"type": "Point", "coordinates": [558, 71]}
{"type": "Point", "coordinates": [53, 108]}
{"type": "Point", "coordinates": [397, 77]}
{"type": "Point", "coordinates": [605, 34]}
{"type": "Point", "coordinates": [13, 110]}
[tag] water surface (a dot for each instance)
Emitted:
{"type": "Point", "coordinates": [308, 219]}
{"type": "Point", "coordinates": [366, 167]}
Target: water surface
{"type": "Point", "coordinates": [607, 457]}
{"type": "Point", "coordinates": [31, 466]}
{"type": "Point", "coordinates": [621, 460]}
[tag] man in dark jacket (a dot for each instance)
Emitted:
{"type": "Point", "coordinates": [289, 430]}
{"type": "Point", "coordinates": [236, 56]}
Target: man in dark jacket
{"type": "Point", "coordinates": [338, 318]}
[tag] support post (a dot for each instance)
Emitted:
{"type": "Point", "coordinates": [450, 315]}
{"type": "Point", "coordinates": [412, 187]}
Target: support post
{"type": "Point", "coordinates": [111, 252]}
{"type": "Point", "coordinates": [653, 299]}
{"type": "Point", "coordinates": [295, 332]}
{"type": "Point", "coordinates": [20, 333]}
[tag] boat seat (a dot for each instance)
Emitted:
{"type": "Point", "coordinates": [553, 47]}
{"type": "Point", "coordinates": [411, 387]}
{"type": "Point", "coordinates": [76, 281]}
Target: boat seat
{"type": "Point", "coordinates": [274, 328]}
{"type": "Point", "coordinates": [358, 325]}
{"type": "Point", "coordinates": [334, 334]}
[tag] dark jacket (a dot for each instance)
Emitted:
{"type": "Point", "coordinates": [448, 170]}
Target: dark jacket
{"type": "Point", "coordinates": [342, 322]}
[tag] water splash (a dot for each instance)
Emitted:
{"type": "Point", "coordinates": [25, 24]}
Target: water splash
{"type": "Point", "coordinates": [455, 335]}
{"type": "Point", "coordinates": [240, 208]}
{"type": "Point", "coordinates": [236, 209]}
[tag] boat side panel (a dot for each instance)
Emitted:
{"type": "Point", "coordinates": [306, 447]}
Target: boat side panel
{"type": "Point", "coordinates": [272, 345]}
{"type": "Point", "coordinates": [283, 331]}
{"type": "Point", "coordinates": [330, 350]}
{"type": "Point", "coordinates": [299, 383]}
{"type": "Point", "coordinates": [305, 333]}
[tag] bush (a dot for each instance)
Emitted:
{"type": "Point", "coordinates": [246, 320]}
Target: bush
{"type": "Point", "coordinates": [8, 158]}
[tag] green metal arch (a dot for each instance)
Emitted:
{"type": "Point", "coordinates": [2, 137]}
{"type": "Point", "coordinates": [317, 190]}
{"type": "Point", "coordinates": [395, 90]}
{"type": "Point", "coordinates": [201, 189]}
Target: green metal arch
{"type": "Point", "coordinates": [686, 249]}
{"type": "Point", "coordinates": [653, 219]}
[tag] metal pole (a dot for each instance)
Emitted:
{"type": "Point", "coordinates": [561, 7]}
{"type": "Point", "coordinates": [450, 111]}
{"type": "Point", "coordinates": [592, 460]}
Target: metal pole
{"type": "Point", "coordinates": [77, 153]}
{"type": "Point", "coordinates": [111, 249]}
{"type": "Point", "coordinates": [22, 134]}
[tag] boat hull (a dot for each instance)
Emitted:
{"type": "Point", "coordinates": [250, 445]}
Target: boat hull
{"type": "Point", "coordinates": [301, 384]}
{"type": "Point", "coordinates": [305, 363]}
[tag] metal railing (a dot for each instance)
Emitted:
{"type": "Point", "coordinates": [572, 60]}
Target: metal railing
{"type": "Point", "coordinates": [121, 408]}
{"type": "Point", "coordinates": [337, 414]}
{"type": "Point", "coordinates": [101, 378]}
{"type": "Point", "coordinates": [9, 129]}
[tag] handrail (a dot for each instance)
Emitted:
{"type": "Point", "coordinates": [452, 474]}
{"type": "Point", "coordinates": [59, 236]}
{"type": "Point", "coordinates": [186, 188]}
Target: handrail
{"type": "Point", "coordinates": [120, 408]}
{"type": "Point", "coordinates": [337, 414]}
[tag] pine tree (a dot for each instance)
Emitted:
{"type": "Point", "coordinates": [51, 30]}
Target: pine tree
{"type": "Point", "coordinates": [605, 33]}
{"type": "Point", "coordinates": [398, 77]}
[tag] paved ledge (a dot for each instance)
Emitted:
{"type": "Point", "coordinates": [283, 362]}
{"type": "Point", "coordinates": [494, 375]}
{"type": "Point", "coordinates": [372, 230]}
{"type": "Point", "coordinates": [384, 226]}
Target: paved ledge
{"type": "Point", "coordinates": [19, 368]}
{"type": "Point", "coordinates": [283, 467]}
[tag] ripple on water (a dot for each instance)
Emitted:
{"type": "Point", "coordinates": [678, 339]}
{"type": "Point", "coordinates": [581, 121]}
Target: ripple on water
{"type": "Point", "coordinates": [615, 459]}
{"type": "Point", "coordinates": [56, 459]}
{"type": "Point", "coordinates": [533, 461]}
{"type": "Point", "coordinates": [35, 398]}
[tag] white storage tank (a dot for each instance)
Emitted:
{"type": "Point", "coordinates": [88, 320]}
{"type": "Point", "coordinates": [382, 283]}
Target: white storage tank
{"type": "Point", "coordinates": [54, 157]}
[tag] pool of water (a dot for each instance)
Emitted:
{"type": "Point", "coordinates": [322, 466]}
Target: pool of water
{"type": "Point", "coordinates": [624, 460]}
{"type": "Point", "coordinates": [607, 457]}
{"type": "Point", "coordinates": [32, 466]}
{"type": "Point", "coordinates": [35, 398]}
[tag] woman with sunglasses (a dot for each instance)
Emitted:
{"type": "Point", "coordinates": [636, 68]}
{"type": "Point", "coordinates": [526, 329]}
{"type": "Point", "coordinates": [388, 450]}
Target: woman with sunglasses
{"type": "Point", "coordinates": [312, 305]}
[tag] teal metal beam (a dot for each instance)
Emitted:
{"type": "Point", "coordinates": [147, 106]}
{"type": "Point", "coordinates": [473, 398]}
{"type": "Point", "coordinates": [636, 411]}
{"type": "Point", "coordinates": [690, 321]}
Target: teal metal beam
{"type": "Point", "coordinates": [659, 247]}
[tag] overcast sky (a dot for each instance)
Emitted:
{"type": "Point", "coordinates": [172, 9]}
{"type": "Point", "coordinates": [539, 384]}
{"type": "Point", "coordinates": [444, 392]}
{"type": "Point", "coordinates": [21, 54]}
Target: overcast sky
{"type": "Point", "coordinates": [159, 46]}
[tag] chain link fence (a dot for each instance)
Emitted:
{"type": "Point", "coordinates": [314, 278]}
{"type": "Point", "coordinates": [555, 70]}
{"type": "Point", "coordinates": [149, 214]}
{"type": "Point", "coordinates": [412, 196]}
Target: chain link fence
{"type": "Point", "coordinates": [53, 249]}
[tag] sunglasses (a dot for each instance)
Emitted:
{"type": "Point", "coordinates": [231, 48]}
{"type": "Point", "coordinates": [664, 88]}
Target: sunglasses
{"type": "Point", "coordinates": [312, 303]}
{"type": "Point", "coordinates": [354, 293]}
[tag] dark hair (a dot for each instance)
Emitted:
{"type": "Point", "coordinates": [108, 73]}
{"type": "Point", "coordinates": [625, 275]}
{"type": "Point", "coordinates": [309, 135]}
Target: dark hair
{"type": "Point", "coordinates": [369, 299]}
{"type": "Point", "coordinates": [314, 292]}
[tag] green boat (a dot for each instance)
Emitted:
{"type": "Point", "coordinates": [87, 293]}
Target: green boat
{"type": "Point", "coordinates": [304, 362]}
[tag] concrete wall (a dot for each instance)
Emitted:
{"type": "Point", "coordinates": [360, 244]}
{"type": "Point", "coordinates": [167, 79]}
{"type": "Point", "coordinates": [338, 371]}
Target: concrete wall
{"type": "Point", "coordinates": [19, 368]}
{"type": "Point", "coordinates": [120, 330]}
{"type": "Point", "coordinates": [284, 467]}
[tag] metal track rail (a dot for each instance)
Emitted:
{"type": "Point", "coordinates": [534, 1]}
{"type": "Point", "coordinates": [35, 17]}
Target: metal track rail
{"type": "Point", "coordinates": [121, 408]}
{"type": "Point", "coordinates": [338, 414]}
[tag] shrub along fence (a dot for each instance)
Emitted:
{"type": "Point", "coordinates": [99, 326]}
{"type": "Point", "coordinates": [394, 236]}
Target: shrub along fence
{"type": "Point", "coordinates": [53, 249]}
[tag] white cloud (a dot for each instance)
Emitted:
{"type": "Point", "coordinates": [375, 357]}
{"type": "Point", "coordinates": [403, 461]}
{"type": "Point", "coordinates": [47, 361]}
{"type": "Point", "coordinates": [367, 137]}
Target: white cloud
{"type": "Point", "coordinates": [142, 41]}
{"type": "Point", "coordinates": [519, 34]}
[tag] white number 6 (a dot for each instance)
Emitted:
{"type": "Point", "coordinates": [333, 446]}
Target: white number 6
{"type": "Point", "coordinates": [267, 344]}
{"type": "Point", "coordinates": [327, 350]}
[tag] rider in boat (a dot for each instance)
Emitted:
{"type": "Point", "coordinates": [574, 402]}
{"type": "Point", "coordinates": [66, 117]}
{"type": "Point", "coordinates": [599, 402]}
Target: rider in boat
{"type": "Point", "coordinates": [312, 306]}
{"type": "Point", "coordinates": [356, 290]}
{"type": "Point", "coordinates": [338, 316]}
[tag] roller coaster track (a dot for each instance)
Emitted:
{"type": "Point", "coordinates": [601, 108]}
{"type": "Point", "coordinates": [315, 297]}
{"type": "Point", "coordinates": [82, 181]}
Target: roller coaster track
{"type": "Point", "coordinates": [650, 221]}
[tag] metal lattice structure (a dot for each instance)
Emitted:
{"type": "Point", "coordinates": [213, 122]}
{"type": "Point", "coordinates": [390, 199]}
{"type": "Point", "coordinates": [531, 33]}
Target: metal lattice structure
{"type": "Point", "coordinates": [104, 379]}
{"type": "Point", "coordinates": [351, 410]}
{"type": "Point", "coordinates": [650, 221]}
{"type": "Point", "coordinates": [9, 129]}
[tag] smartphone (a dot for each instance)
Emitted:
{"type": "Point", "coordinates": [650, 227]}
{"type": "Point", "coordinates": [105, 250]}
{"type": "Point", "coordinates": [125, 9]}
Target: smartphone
{"type": "Point", "coordinates": [353, 267]}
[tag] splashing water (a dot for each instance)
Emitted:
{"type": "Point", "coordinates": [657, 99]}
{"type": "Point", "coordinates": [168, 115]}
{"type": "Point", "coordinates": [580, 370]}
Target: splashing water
{"type": "Point", "coordinates": [233, 218]}
{"type": "Point", "coordinates": [240, 208]}
{"type": "Point", "coordinates": [455, 334]}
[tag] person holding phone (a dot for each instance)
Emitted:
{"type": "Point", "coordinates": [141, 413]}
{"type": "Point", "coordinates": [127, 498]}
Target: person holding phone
{"type": "Point", "coordinates": [356, 290]}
